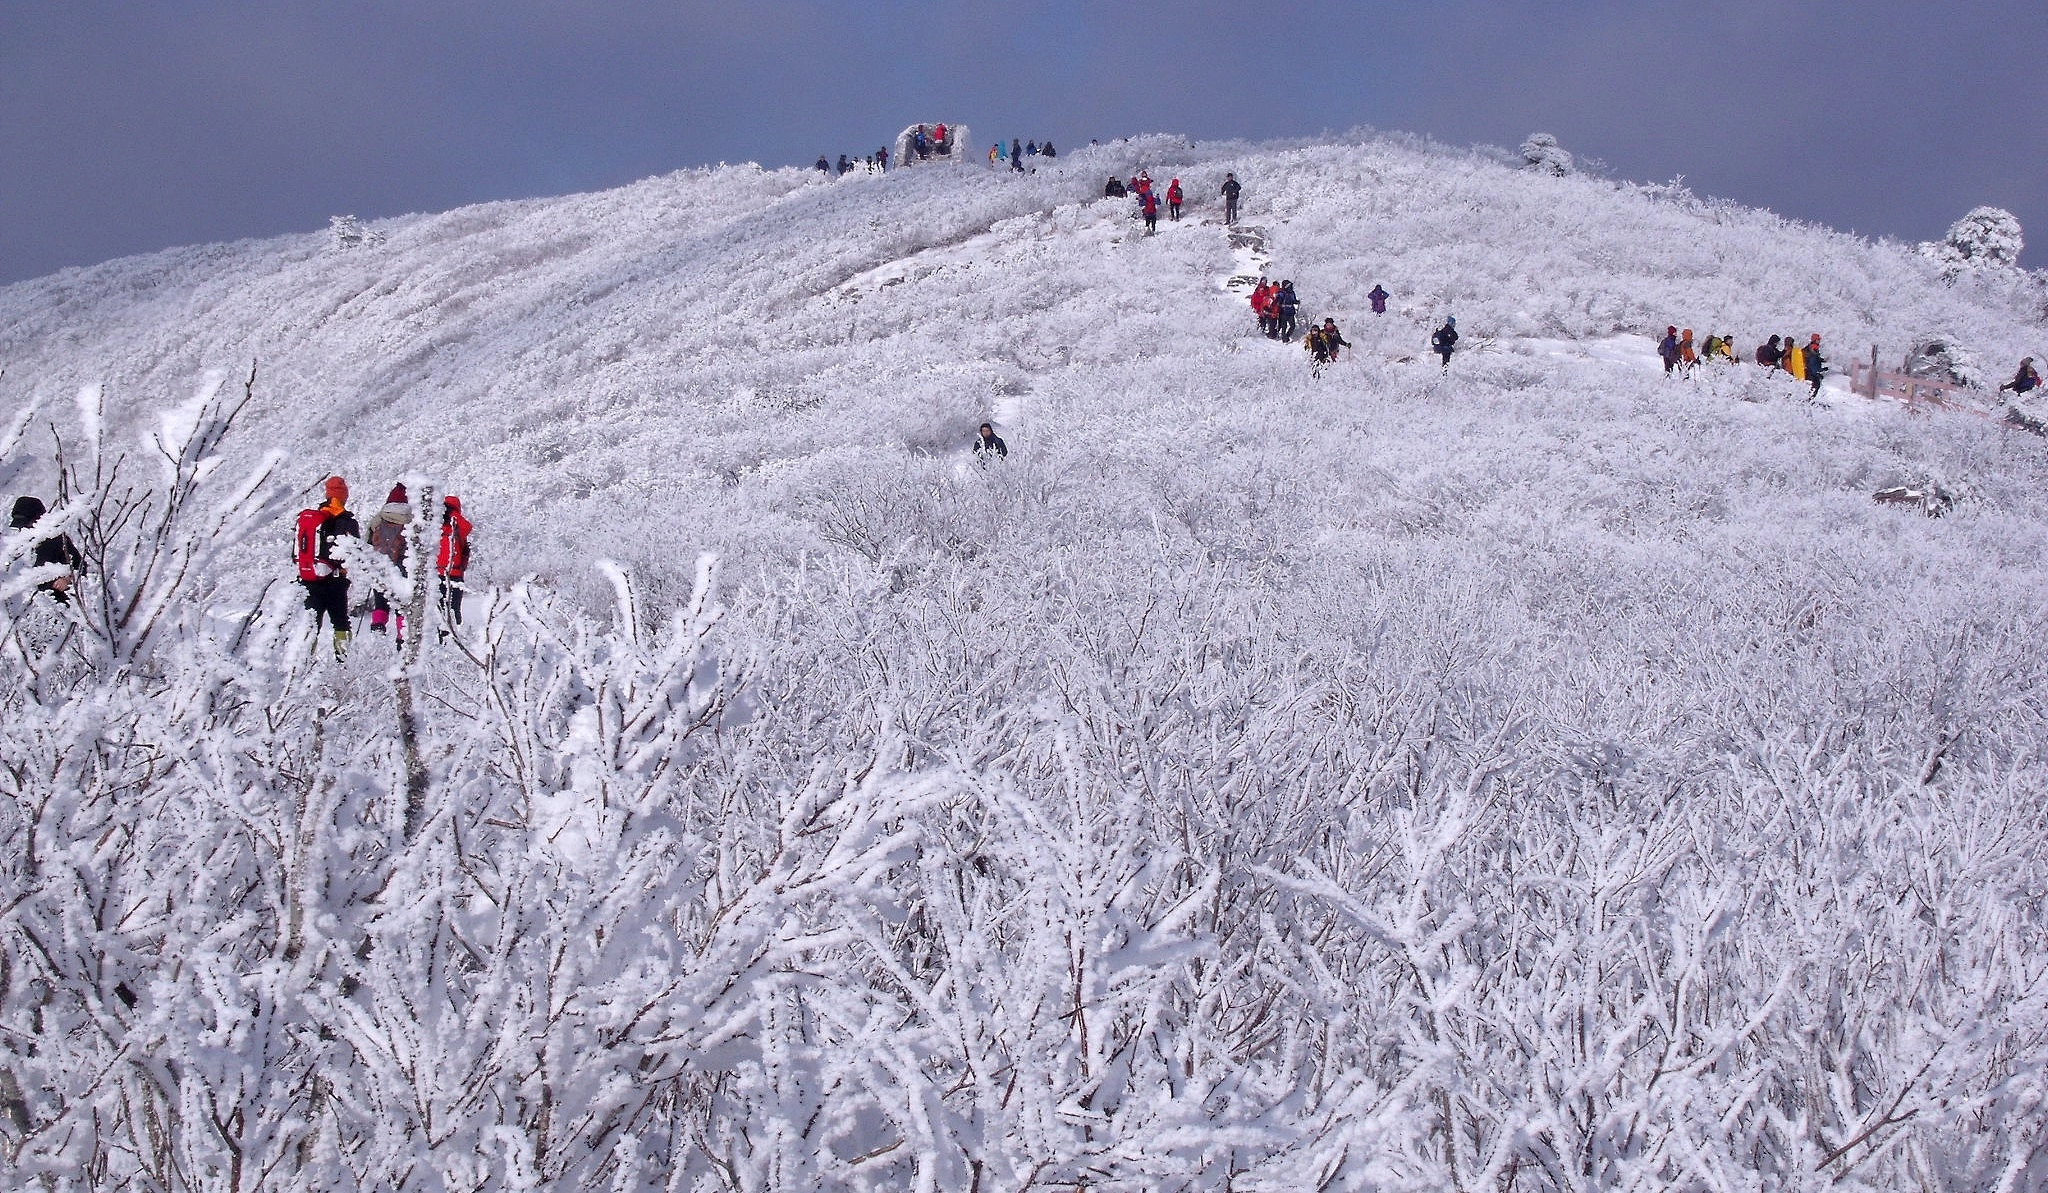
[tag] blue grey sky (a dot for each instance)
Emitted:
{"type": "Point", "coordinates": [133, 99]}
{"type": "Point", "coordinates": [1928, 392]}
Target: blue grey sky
{"type": "Point", "coordinates": [139, 124]}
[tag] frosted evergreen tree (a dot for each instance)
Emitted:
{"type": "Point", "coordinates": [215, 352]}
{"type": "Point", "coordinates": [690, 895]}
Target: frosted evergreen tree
{"type": "Point", "coordinates": [350, 233]}
{"type": "Point", "coordinates": [1986, 238]}
{"type": "Point", "coordinates": [1541, 152]}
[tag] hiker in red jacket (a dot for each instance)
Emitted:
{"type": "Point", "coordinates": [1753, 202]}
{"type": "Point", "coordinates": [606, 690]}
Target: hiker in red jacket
{"type": "Point", "coordinates": [452, 561]}
{"type": "Point", "coordinates": [1173, 200]}
{"type": "Point", "coordinates": [1148, 202]}
{"type": "Point", "coordinates": [1262, 306]}
{"type": "Point", "coordinates": [325, 580]}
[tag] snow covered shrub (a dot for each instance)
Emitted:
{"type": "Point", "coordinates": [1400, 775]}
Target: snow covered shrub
{"type": "Point", "coordinates": [1943, 358]}
{"type": "Point", "coordinates": [1542, 153]}
{"type": "Point", "coordinates": [1986, 238]}
{"type": "Point", "coordinates": [350, 232]}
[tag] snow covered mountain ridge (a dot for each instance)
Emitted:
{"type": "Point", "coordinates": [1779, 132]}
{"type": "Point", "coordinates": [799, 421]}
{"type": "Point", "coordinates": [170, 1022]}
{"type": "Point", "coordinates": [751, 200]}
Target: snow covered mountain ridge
{"type": "Point", "coordinates": [1542, 773]}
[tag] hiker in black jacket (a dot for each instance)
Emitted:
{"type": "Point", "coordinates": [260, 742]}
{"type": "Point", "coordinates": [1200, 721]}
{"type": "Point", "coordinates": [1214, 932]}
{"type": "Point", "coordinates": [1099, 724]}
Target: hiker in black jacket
{"type": "Point", "coordinates": [1284, 308]}
{"type": "Point", "coordinates": [1231, 190]}
{"type": "Point", "coordinates": [1445, 341]}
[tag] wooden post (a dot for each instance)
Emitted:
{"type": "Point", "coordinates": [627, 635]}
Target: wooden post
{"type": "Point", "coordinates": [1873, 370]}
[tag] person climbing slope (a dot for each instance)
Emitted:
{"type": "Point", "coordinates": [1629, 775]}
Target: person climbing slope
{"type": "Point", "coordinates": [1318, 350]}
{"type": "Point", "coordinates": [1768, 353]}
{"type": "Point", "coordinates": [1379, 297]}
{"type": "Point", "coordinates": [324, 578]}
{"type": "Point", "coordinates": [1332, 338]}
{"type": "Point", "coordinates": [451, 562]}
{"type": "Point", "coordinates": [1794, 360]}
{"type": "Point", "coordinates": [1445, 341]}
{"type": "Point", "coordinates": [989, 446]}
{"type": "Point", "coordinates": [1688, 356]}
{"type": "Point", "coordinates": [1231, 190]}
{"type": "Point", "coordinates": [1668, 349]}
{"type": "Point", "coordinates": [386, 535]}
{"type": "Point", "coordinates": [1262, 306]}
{"type": "Point", "coordinates": [1148, 203]}
{"type": "Point", "coordinates": [1173, 197]}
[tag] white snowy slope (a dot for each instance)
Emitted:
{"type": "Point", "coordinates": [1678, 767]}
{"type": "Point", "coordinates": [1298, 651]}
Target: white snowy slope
{"type": "Point", "coordinates": [1542, 773]}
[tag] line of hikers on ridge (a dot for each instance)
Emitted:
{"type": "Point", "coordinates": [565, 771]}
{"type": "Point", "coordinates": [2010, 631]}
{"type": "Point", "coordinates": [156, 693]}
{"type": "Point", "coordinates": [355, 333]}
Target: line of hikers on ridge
{"type": "Point", "coordinates": [1779, 353]}
{"type": "Point", "coordinates": [875, 163]}
{"type": "Point", "coordinates": [1148, 197]}
{"type": "Point", "coordinates": [320, 572]}
{"type": "Point", "coordinates": [325, 577]}
{"type": "Point", "coordinates": [1017, 152]}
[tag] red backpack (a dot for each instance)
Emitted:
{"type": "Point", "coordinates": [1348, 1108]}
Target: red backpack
{"type": "Point", "coordinates": [306, 544]}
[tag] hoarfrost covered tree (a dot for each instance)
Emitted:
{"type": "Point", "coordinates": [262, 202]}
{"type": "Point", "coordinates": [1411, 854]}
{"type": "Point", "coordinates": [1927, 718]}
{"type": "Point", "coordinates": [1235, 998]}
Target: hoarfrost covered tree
{"type": "Point", "coordinates": [1986, 238]}
{"type": "Point", "coordinates": [351, 233]}
{"type": "Point", "coordinates": [1542, 153]}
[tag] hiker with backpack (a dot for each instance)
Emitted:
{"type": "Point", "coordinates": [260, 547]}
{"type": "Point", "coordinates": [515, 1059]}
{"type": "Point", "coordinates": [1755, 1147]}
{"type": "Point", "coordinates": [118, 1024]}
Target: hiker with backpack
{"type": "Point", "coordinates": [54, 551]}
{"type": "Point", "coordinates": [1318, 350]}
{"type": "Point", "coordinates": [1173, 200]}
{"type": "Point", "coordinates": [1794, 359]}
{"type": "Point", "coordinates": [1768, 353]}
{"type": "Point", "coordinates": [1284, 306]}
{"type": "Point", "coordinates": [1231, 190]}
{"type": "Point", "coordinates": [1668, 349]}
{"type": "Point", "coordinates": [2023, 382]}
{"type": "Point", "coordinates": [386, 535]}
{"type": "Point", "coordinates": [1814, 366]}
{"type": "Point", "coordinates": [1148, 203]}
{"type": "Point", "coordinates": [1262, 306]}
{"type": "Point", "coordinates": [451, 563]}
{"type": "Point", "coordinates": [1445, 341]}
{"type": "Point", "coordinates": [1378, 298]}
{"type": "Point", "coordinates": [1332, 338]}
{"type": "Point", "coordinates": [324, 577]}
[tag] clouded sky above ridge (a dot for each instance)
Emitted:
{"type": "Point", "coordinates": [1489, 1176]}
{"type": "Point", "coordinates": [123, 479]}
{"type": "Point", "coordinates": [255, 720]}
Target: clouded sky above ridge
{"type": "Point", "coordinates": [139, 124]}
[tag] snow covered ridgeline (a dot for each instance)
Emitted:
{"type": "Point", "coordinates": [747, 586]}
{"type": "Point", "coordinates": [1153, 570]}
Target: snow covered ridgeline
{"type": "Point", "coordinates": [1392, 782]}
